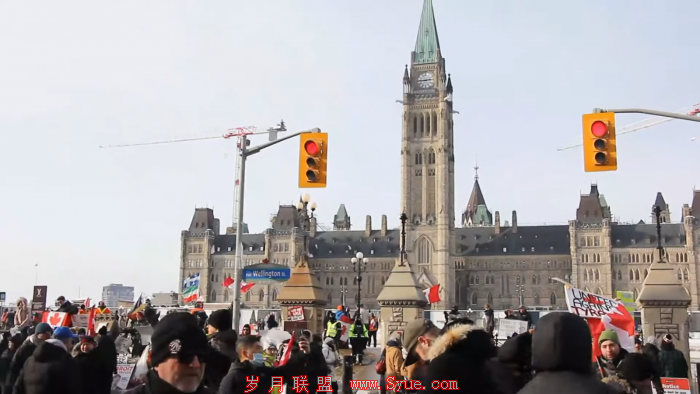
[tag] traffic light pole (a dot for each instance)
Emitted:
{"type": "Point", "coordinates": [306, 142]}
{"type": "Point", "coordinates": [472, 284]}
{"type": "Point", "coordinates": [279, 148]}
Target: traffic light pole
{"type": "Point", "coordinates": [649, 112]}
{"type": "Point", "coordinates": [245, 152]}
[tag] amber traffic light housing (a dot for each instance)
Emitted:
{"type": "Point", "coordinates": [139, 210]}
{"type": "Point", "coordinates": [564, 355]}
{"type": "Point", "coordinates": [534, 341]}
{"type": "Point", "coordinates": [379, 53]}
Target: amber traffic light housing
{"type": "Point", "coordinates": [313, 160]}
{"type": "Point", "coordinates": [599, 142]}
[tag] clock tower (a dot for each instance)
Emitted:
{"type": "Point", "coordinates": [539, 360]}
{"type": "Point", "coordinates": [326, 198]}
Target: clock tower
{"type": "Point", "coordinates": [427, 161]}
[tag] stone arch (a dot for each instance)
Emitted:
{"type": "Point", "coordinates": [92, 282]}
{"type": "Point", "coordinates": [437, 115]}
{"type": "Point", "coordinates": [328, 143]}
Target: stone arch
{"type": "Point", "coordinates": [475, 298]}
{"type": "Point", "coordinates": [424, 250]}
{"type": "Point", "coordinates": [553, 299]}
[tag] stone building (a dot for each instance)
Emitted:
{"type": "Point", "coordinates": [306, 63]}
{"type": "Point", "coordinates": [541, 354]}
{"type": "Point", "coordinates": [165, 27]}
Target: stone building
{"type": "Point", "coordinates": [483, 261]}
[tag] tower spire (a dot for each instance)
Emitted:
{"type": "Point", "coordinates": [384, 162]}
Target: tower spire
{"type": "Point", "coordinates": [476, 169]}
{"type": "Point", "coordinates": [427, 43]}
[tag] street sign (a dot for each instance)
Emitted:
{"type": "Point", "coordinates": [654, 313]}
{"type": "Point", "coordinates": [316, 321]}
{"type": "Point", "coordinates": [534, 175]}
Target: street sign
{"type": "Point", "coordinates": [39, 298]}
{"type": "Point", "coordinates": [266, 272]}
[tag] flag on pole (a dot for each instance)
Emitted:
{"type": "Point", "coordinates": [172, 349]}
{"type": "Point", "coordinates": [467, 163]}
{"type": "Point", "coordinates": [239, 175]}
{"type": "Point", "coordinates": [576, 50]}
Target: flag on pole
{"type": "Point", "coordinates": [602, 314]}
{"type": "Point", "coordinates": [190, 289]}
{"type": "Point", "coordinates": [432, 294]}
{"type": "Point", "coordinates": [288, 350]}
{"type": "Point", "coordinates": [245, 287]}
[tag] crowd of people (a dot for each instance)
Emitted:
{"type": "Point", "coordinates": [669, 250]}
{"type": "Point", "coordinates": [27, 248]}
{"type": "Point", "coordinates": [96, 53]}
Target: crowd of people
{"type": "Point", "coordinates": [555, 357]}
{"type": "Point", "coordinates": [192, 352]}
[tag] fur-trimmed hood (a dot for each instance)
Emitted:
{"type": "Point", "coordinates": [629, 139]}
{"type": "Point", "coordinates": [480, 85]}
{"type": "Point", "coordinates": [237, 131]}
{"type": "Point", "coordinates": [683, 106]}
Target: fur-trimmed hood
{"type": "Point", "coordinates": [619, 384]}
{"type": "Point", "coordinates": [465, 337]}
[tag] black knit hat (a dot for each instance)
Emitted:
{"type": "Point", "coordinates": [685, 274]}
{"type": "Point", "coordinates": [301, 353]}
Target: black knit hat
{"type": "Point", "coordinates": [636, 367]}
{"type": "Point", "coordinates": [178, 335]}
{"type": "Point", "coordinates": [221, 320]}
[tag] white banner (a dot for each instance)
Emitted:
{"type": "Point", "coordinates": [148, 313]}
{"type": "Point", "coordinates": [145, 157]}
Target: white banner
{"type": "Point", "coordinates": [507, 327]}
{"type": "Point", "coordinates": [587, 304]}
{"type": "Point", "coordinates": [81, 320]}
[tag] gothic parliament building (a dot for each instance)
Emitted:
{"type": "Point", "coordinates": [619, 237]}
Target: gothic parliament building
{"type": "Point", "coordinates": [485, 260]}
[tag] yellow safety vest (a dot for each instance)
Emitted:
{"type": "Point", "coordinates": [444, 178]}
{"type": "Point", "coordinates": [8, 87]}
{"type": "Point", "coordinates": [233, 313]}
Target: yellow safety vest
{"type": "Point", "coordinates": [331, 331]}
{"type": "Point", "coordinates": [364, 329]}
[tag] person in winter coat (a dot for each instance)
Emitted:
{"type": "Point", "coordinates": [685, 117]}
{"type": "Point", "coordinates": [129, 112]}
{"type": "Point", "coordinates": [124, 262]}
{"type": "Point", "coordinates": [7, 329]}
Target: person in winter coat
{"type": "Point", "coordinates": [250, 363]}
{"type": "Point", "coordinates": [611, 354]}
{"type": "Point", "coordinates": [524, 315]}
{"type": "Point", "coordinates": [13, 343]}
{"type": "Point", "coordinates": [42, 332]}
{"type": "Point", "coordinates": [652, 352]}
{"type": "Point", "coordinates": [89, 364]}
{"type": "Point", "coordinates": [418, 337]}
{"type": "Point", "coordinates": [50, 370]}
{"type": "Point", "coordinates": [460, 355]}
{"type": "Point", "coordinates": [634, 375]}
{"type": "Point", "coordinates": [222, 340]}
{"type": "Point", "coordinates": [179, 352]}
{"type": "Point", "coordinates": [66, 306]}
{"type": "Point", "coordinates": [512, 369]}
{"type": "Point", "coordinates": [107, 351]}
{"type": "Point", "coordinates": [561, 357]}
{"type": "Point", "coordinates": [672, 360]}
{"type": "Point", "coordinates": [331, 357]}
{"type": "Point", "coordinates": [23, 315]}
{"type": "Point", "coordinates": [489, 319]}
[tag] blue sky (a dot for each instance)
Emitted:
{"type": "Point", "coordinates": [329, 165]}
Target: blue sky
{"type": "Point", "coordinates": [79, 74]}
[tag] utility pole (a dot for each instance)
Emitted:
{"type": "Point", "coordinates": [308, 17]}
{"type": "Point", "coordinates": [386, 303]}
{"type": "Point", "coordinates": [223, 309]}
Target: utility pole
{"type": "Point", "coordinates": [649, 112]}
{"type": "Point", "coordinates": [244, 153]}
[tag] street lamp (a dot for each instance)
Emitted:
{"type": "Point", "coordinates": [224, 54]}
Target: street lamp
{"type": "Point", "coordinates": [359, 265]}
{"type": "Point", "coordinates": [306, 209]}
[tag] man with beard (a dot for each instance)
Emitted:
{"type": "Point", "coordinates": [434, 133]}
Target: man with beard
{"type": "Point", "coordinates": [179, 355]}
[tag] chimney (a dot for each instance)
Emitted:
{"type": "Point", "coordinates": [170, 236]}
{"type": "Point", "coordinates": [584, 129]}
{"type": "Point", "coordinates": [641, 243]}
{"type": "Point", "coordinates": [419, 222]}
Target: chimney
{"type": "Point", "coordinates": [384, 229]}
{"type": "Point", "coordinates": [686, 210]}
{"type": "Point", "coordinates": [515, 222]}
{"type": "Point", "coordinates": [217, 226]}
{"type": "Point", "coordinates": [497, 223]}
{"type": "Point", "coordinates": [368, 226]}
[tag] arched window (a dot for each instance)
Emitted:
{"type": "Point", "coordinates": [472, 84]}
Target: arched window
{"type": "Point", "coordinates": [477, 279]}
{"type": "Point", "coordinates": [261, 295]}
{"type": "Point", "coordinates": [247, 296]}
{"type": "Point", "coordinates": [329, 298]}
{"type": "Point", "coordinates": [536, 299]}
{"type": "Point", "coordinates": [489, 299]}
{"type": "Point", "coordinates": [597, 275]}
{"type": "Point", "coordinates": [585, 275]}
{"type": "Point", "coordinates": [552, 299]}
{"type": "Point", "coordinates": [328, 281]}
{"type": "Point", "coordinates": [226, 296]}
{"type": "Point", "coordinates": [636, 294]}
{"type": "Point", "coordinates": [539, 279]}
{"type": "Point", "coordinates": [419, 158]}
{"type": "Point", "coordinates": [274, 295]}
{"type": "Point", "coordinates": [424, 250]}
{"type": "Point", "coordinates": [680, 274]}
{"type": "Point", "coordinates": [431, 157]}
{"type": "Point", "coordinates": [534, 279]}
{"type": "Point", "coordinates": [636, 275]}
{"type": "Point", "coordinates": [619, 275]}
{"type": "Point", "coordinates": [212, 296]}
{"type": "Point", "coordinates": [631, 275]}
{"type": "Point", "coordinates": [686, 275]}
{"type": "Point", "coordinates": [475, 298]}
{"type": "Point", "coordinates": [517, 280]}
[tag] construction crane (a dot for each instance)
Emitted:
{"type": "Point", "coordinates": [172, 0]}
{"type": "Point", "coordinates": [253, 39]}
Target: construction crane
{"type": "Point", "coordinates": [236, 132]}
{"type": "Point", "coordinates": [646, 123]}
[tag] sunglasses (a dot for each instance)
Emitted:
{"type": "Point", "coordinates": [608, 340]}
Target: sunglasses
{"type": "Point", "coordinates": [188, 358]}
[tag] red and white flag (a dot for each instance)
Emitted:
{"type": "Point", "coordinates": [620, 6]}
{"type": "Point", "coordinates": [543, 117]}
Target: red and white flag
{"type": "Point", "coordinates": [245, 287]}
{"type": "Point", "coordinates": [432, 294]}
{"type": "Point", "coordinates": [602, 314]}
{"type": "Point", "coordinates": [56, 319]}
{"type": "Point", "coordinates": [287, 350]}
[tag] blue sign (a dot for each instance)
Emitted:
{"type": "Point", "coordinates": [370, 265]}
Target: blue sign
{"type": "Point", "coordinates": [278, 273]}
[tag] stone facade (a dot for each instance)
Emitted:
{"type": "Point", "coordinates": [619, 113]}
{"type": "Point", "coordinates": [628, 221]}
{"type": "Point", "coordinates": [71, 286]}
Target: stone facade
{"type": "Point", "coordinates": [484, 261]}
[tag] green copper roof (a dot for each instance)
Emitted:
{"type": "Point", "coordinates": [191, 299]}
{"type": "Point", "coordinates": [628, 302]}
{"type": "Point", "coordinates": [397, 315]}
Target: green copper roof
{"type": "Point", "coordinates": [427, 43]}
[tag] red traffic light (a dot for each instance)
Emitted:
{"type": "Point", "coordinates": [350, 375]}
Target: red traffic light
{"type": "Point", "coordinates": [312, 148]}
{"type": "Point", "coordinates": [599, 128]}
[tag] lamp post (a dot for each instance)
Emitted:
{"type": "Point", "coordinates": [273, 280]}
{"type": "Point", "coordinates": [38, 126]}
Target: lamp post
{"type": "Point", "coordinates": [359, 265]}
{"type": "Point", "coordinates": [306, 209]}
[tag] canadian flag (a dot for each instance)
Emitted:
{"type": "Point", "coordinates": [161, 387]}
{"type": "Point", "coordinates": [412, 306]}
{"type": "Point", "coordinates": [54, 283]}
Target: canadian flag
{"type": "Point", "coordinates": [602, 314]}
{"type": "Point", "coordinates": [245, 287]}
{"type": "Point", "coordinates": [432, 294]}
{"type": "Point", "coordinates": [56, 319]}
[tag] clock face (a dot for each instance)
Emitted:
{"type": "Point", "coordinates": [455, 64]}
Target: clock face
{"type": "Point", "coordinates": [425, 80]}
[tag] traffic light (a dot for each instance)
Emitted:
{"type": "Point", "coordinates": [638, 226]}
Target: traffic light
{"type": "Point", "coordinates": [599, 142]}
{"type": "Point", "coordinates": [313, 160]}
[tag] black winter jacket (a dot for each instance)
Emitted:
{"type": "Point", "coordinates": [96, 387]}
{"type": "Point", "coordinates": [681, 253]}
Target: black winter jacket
{"type": "Point", "coordinates": [50, 370]}
{"type": "Point", "coordinates": [235, 382]}
{"type": "Point", "coordinates": [223, 344]}
{"type": "Point", "coordinates": [25, 350]}
{"type": "Point", "coordinates": [155, 385]}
